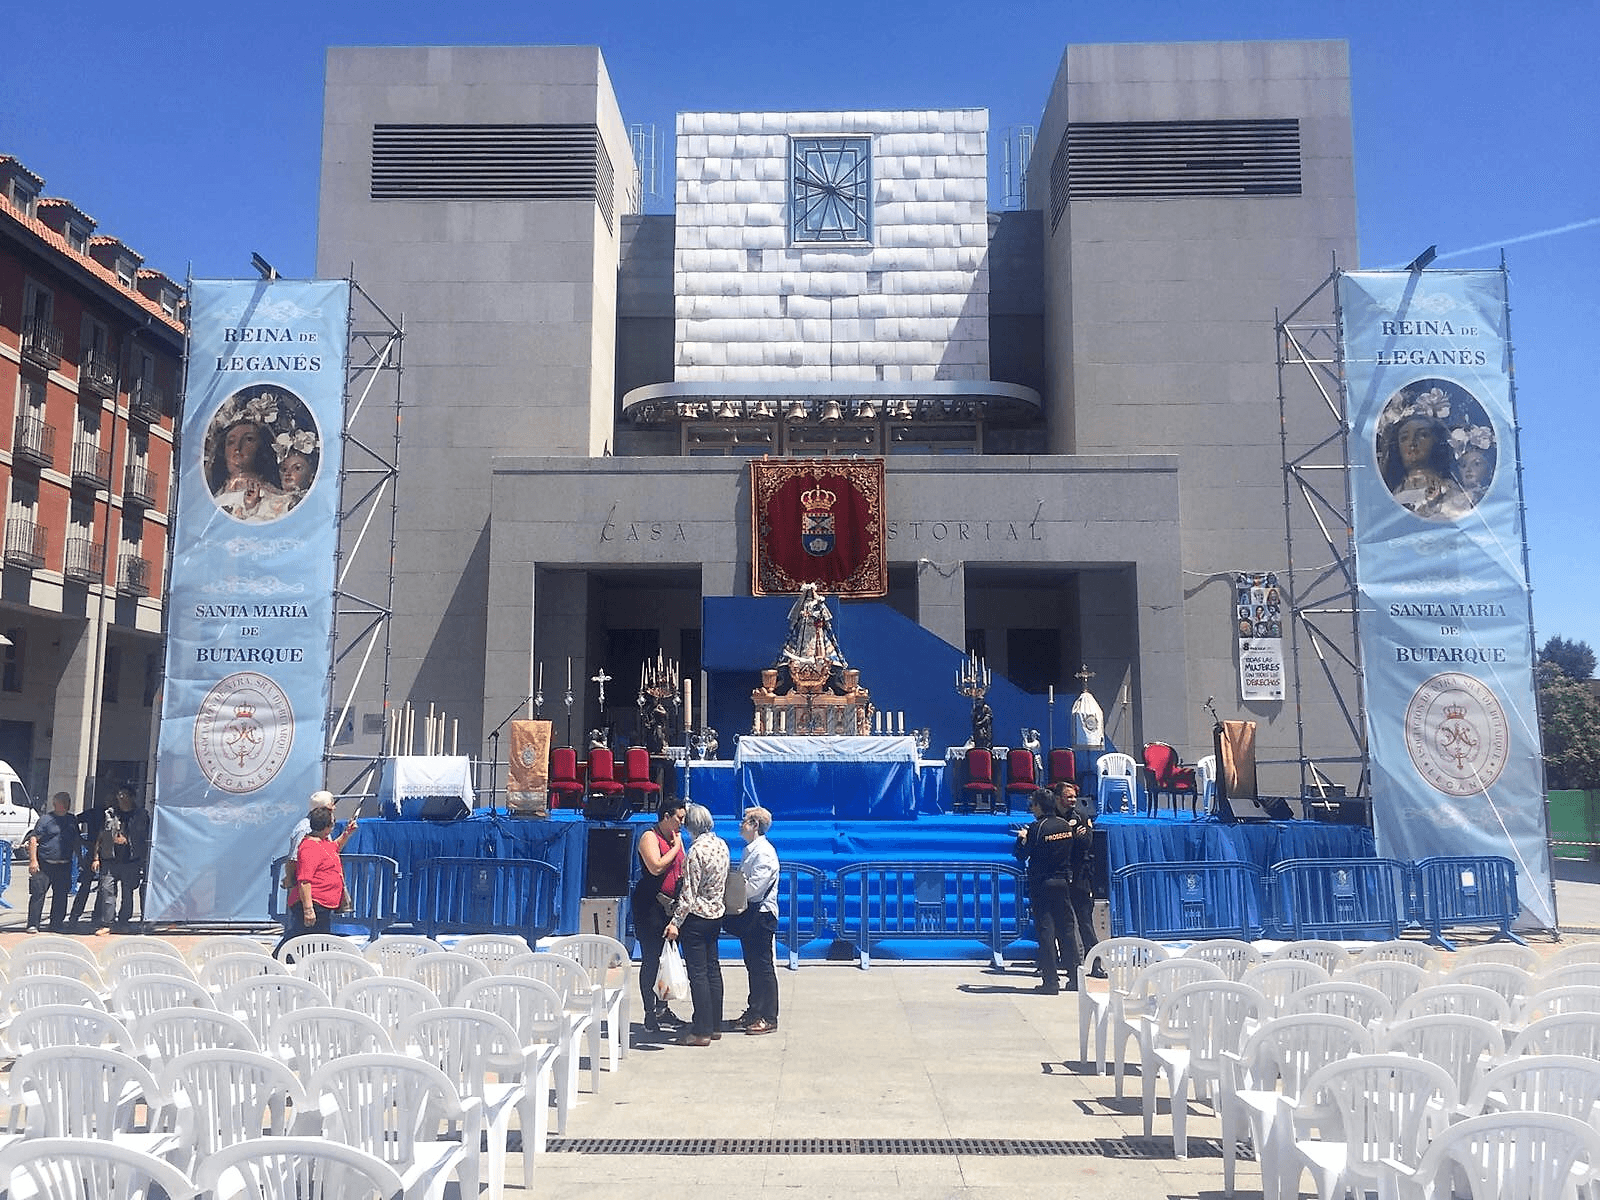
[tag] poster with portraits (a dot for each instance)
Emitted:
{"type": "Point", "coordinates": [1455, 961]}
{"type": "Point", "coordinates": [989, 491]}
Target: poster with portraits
{"type": "Point", "coordinates": [1258, 621]}
{"type": "Point", "coordinates": [1444, 616]}
{"type": "Point", "coordinates": [250, 600]}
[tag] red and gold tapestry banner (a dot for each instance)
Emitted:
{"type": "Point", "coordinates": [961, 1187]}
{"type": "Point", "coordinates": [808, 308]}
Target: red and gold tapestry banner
{"type": "Point", "coordinates": [819, 521]}
{"type": "Point", "coordinates": [528, 784]}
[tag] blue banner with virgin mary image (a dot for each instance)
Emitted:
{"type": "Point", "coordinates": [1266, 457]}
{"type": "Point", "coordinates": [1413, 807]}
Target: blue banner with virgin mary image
{"type": "Point", "coordinates": [250, 601]}
{"type": "Point", "coordinates": [1445, 622]}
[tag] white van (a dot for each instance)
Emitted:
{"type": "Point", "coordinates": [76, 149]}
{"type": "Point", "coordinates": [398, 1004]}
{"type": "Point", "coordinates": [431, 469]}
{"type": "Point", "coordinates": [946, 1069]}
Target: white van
{"type": "Point", "coordinates": [17, 813]}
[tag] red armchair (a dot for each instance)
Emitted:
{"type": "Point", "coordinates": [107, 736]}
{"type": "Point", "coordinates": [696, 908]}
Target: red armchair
{"type": "Point", "coordinates": [636, 778]}
{"type": "Point", "coordinates": [1020, 779]}
{"type": "Point", "coordinates": [1169, 777]}
{"type": "Point", "coordinates": [1063, 767]}
{"type": "Point", "coordinates": [980, 780]}
{"type": "Point", "coordinates": [566, 789]}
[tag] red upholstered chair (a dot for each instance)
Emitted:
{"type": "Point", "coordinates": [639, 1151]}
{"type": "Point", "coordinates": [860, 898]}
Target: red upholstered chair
{"type": "Point", "coordinates": [603, 779]}
{"type": "Point", "coordinates": [566, 789]}
{"type": "Point", "coordinates": [980, 780]}
{"type": "Point", "coordinates": [1168, 777]}
{"type": "Point", "coordinates": [1063, 767]}
{"type": "Point", "coordinates": [636, 778]}
{"type": "Point", "coordinates": [1020, 780]}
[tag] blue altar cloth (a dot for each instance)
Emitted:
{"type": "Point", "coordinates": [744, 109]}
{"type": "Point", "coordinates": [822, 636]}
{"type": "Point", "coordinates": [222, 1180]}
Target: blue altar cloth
{"type": "Point", "coordinates": [719, 786]}
{"type": "Point", "coordinates": [1262, 843]}
{"type": "Point", "coordinates": [815, 778]}
{"type": "Point", "coordinates": [559, 841]}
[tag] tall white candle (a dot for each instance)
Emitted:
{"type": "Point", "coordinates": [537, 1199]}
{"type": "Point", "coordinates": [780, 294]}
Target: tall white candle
{"type": "Point", "coordinates": [569, 672]}
{"type": "Point", "coordinates": [704, 700]}
{"type": "Point", "coordinates": [901, 721]}
{"type": "Point", "coordinates": [688, 705]}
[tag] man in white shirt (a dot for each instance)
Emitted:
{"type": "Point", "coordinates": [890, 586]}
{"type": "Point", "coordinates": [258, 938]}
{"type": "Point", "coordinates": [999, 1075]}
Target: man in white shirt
{"type": "Point", "coordinates": [758, 924]}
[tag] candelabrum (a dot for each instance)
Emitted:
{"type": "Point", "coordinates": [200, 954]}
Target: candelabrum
{"type": "Point", "coordinates": [923, 737]}
{"type": "Point", "coordinates": [973, 677]}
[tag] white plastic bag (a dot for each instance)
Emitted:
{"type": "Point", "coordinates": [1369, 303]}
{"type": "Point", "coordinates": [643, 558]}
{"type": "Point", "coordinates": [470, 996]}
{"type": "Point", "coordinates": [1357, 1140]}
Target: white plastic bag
{"type": "Point", "coordinates": [672, 978]}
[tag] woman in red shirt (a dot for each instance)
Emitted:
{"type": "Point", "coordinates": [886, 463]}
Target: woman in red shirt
{"type": "Point", "coordinates": [319, 873]}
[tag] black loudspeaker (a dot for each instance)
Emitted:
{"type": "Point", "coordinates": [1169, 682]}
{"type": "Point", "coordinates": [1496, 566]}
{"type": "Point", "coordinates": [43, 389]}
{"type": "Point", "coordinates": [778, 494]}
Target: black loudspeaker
{"type": "Point", "coordinates": [428, 808]}
{"type": "Point", "coordinates": [607, 873]}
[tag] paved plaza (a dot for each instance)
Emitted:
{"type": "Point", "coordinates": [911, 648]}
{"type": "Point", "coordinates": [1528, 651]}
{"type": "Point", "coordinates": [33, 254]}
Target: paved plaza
{"type": "Point", "coordinates": [898, 1053]}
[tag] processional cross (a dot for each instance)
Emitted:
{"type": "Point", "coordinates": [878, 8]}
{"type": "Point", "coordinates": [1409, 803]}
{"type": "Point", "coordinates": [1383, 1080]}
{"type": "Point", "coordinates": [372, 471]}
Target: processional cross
{"type": "Point", "coordinates": [602, 679]}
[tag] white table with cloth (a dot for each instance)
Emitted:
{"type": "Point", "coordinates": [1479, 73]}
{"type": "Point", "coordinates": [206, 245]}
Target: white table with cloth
{"type": "Point", "coordinates": [846, 778]}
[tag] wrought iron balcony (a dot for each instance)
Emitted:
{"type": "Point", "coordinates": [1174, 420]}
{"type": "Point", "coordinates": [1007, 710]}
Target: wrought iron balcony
{"type": "Point", "coordinates": [33, 441]}
{"type": "Point", "coordinates": [138, 486]}
{"type": "Point", "coordinates": [146, 401]}
{"type": "Point", "coordinates": [85, 560]}
{"type": "Point", "coordinates": [97, 374]}
{"type": "Point", "coordinates": [26, 542]}
{"type": "Point", "coordinates": [133, 575]}
{"type": "Point", "coordinates": [91, 465]}
{"type": "Point", "coordinates": [41, 342]}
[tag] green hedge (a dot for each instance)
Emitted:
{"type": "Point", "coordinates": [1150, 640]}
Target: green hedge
{"type": "Point", "coordinates": [1574, 818]}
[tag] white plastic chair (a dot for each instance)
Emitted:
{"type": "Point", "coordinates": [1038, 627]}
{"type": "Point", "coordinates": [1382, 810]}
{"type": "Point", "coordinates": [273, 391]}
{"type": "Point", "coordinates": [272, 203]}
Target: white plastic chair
{"type": "Point", "coordinates": [491, 949]}
{"type": "Point", "coordinates": [91, 1092]}
{"type": "Point", "coordinates": [1361, 1003]}
{"type": "Point", "coordinates": [144, 962]}
{"type": "Point", "coordinates": [1525, 957]}
{"type": "Point", "coordinates": [1579, 952]}
{"type": "Point", "coordinates": [1232, 955]}
{"type": "Point", "coordinates": [1193, 1028]}
{"type": "Point", "coordinates": [610, 970]}
{"type": "Point", "coordinates": [1388, 1106]}
{"type": "Point", "coordinates": [1559, 1083]}
{"type": "Point", "coordinates": [208, 948]}
{"type": "Point", "coordinates": [133, 998]}
{"type": "Point", "coordinates": [1266, 1076]}
{"type": "Point", "coordinates": [1563, 1033]}
{"type": "Point", "coordinates": [1513, 983]}
{"type": "Point", "coordinates": [445, 973]}
{"type": "Point", "coordinates": [1396, 980]}
{"type": "Point", "coordinates": [294, 1168]}
{"type": "Point", "coordinates": [534, 1009]}
{"type": "Point", "coordinates": [261, 1000]}
{"type": "Point", "coordinates": [469, 1046]}
{"type": "Point", "coordinates": [1330, 956]}
{"type": "Point", "coordinates": [1504, 1156]}
{"type": "Point", "coordinates": [30, 991]}
{"type": "Point", "coordinates": [1464, 1046]}
{"type": "Point", "coordinates": [1205, 782]}
{"type": "Point", "coordinates": [333, 971]}
{"type": "Point", "coordinates": [1571, 975]}
{"type": "Point", "coordinates": [309, 1038]}
{"type": "Point", "coordinates": [1548, 1001]}
{"type": "Point", "coordinates": [1466, 998]}
{"type": "Point", "coordinates": [222, 971]}
{"type": "Point", "coordinates": [62, 966]}
{"type": "Point", "coordinates": [386, 999]}
{"type": "Point", "coordinates": [391, 1106]}
{"type": "Point", "coordinates": [1135, 1015]}
{"type": "Point", "coordinates": [571, 981]}
{"type": "Point", "coordinates": [168, 1033]}
{"type": "Point", "coordinates": [316, 943]}
{"type": "Point", "coordinates": [67, 1025]}
{"type": "Point", "coordinates": [1121, 959]}
{"type": "Point", "coordinates": [1116, 783]}
{"type": "Point", "coordinates": [65, 1168]}
{"type": "Point", "coordinates": [221, 1097]}
{"type": "Point", "coordinates": [1417, 953]}
{"type": "Point", "coordinates": [1278, 979]}
{"type": "Point", "coordinates": [49, 943]}
{"type": "Point", "coordinates": [390, 952]}
{"type": "Point", "coordinates": [138, 943]}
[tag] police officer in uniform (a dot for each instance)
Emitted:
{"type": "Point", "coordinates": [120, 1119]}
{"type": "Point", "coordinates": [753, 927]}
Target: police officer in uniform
{"type": "Point", "coordinates": [1047, 847]}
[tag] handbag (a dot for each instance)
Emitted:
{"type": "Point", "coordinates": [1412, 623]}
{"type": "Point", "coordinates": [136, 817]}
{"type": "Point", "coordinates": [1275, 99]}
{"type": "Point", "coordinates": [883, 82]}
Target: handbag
{"type": "Point", "coordinates": [735, 897]}
{"type": "Point", "coordinates": [672, 977]}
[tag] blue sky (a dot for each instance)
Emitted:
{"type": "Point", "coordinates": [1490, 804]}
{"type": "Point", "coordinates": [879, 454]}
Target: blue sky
{"type": "Point", "coordinates": [194, 136]}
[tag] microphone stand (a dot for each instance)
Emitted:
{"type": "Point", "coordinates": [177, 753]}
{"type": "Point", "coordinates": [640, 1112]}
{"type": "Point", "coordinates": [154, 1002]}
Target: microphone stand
{"type": "Point", "coordinates": [494, 766]}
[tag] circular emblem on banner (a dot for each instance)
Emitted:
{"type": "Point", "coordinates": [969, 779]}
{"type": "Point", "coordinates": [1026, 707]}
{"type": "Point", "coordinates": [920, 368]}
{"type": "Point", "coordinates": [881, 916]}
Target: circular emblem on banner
{"type": "Point", "coordinates": [1457, 734]}
{"type": "Point", "coordinates": [1436, 449]}
{"type": "Point", "coordinates": [527, 757]}
{"type": "Point", "coordinates": [243, 732]}
{"type": "Point", "coordinates": [261, 454]}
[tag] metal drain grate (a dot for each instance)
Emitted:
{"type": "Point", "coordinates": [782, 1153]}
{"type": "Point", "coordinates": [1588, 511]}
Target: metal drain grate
{"type": "Point", "coordinates": [1123, 1148]}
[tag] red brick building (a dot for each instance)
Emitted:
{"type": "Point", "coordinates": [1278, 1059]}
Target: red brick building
{"type": "Point", "coordinates": [91, 348]}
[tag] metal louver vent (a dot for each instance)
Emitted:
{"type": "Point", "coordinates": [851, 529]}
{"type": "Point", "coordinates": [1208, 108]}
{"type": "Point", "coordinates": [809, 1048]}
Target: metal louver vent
{"type": "Point", "coordinates": [1155, 160]}
{"type": "Point", "coordinates": [491, 162]}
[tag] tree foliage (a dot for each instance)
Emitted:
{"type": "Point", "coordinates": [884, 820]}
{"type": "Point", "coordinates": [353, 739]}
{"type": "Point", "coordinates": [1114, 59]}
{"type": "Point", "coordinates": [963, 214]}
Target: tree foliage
{"type": "Point", "coordinates": [1575, 659]}
{"type": "Point", "coordinates": [1569, 720]}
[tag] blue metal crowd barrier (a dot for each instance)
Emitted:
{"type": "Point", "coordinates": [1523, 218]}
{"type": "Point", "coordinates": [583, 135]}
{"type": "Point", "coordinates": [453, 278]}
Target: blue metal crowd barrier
{"type": "Point", "coordinates": [1342, 897]}
{"type": "Point", "coordinates": [370, 880]}
{"type": "Point", "coordinates": [803, 916]}
{"type": "Point", "coordinates": [487, 895]}
{"type": "Point", "coordinates": [944, 901]}
{"type": "Point", "coordinates": [1189, 899]}
{"type": "Point", "coordinates": [1465, 890]}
